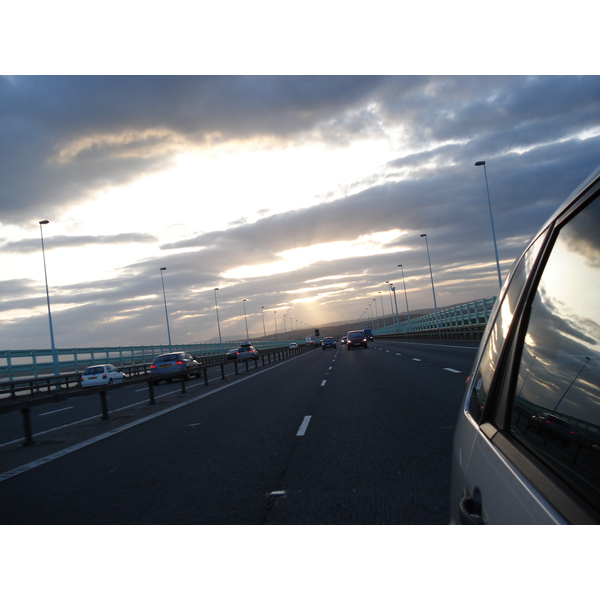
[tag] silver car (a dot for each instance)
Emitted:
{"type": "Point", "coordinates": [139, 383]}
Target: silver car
{"type": "Point", "coordinates": [246, 352]}
{"type": "Point", "coordinates": [173, 365]}
{"type": "Point", "coordinates": [540, 355]}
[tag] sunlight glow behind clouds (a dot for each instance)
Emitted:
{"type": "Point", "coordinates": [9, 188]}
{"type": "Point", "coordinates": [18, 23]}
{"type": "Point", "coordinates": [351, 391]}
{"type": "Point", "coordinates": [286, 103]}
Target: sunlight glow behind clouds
{"type": "Point", "coordinates": [365, 245]}
{"type": "Point", "coordinates": [211, 189]}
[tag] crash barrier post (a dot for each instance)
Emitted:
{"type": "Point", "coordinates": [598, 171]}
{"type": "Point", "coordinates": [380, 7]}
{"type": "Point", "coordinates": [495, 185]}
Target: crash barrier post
{"type": "Point", "coordinates": [27, 427]}
{"type": "Point", "coordinates": [151, 392]}
{"type": "Point", "coordinates": [104, 404]}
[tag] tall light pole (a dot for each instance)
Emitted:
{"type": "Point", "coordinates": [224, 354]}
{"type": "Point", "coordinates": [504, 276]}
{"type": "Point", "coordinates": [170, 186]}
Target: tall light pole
{"type": "Point", "coordinates": [246, 319]}
{"type": "Point", "coordinates": [275, 319]}
{"type": "Point", "coordinates": [391, 304]}
{"type": "Point", "coordinates": [396, 303]}
{"type": "Point", "coordinates": [382, 311]}
{"type": "Point", "coordinates": [166, 312]}
{"type": "Point", "coordinates": [284, 326]}
{"type": "Point", "coordinates": [481, 163]}
{"type": "Point", "coordinates": [376, 312]}
{"type": "Point", "coordinates": [54, 354]}
{"type": "Point", "coordinates": [262, 309]}
{"type": "Point", "coordinates": [406, 297]}
{"type": "Point", "coordinates": [437, 319]}
{"type": "Point", "coordinates": [218, 324]}
{"type": "Point", "coordinates": [587, 360]}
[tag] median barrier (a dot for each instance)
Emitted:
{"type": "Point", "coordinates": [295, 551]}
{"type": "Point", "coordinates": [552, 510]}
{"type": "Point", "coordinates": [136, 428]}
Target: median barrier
{"type": "Point", "coordinates": [12, 404]}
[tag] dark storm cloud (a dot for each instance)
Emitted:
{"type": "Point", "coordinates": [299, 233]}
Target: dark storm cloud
{"type": "Point", "coordinates": [135, 125]}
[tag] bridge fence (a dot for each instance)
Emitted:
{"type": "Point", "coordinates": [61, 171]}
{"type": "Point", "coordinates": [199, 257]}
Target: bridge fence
{"type": "Point", "coordinates": [463, 315]}
{"type": "Point", "coordinates": [15, 364]}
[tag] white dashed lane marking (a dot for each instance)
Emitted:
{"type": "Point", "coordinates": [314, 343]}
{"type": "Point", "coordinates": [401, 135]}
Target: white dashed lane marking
{"type": "Point", "coordinates": [304, 425]}
{"type": "Point", "coordinates": [420, 360]}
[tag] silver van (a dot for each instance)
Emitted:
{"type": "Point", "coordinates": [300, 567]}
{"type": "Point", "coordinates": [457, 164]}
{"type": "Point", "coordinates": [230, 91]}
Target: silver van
{"type": "Point", "coordinates": [527, 441]}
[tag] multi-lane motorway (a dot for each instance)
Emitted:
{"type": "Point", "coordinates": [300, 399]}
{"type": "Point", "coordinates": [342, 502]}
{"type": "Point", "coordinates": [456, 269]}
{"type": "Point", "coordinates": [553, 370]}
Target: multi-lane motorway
{"type": "Point", "coordinates": [326, 437]}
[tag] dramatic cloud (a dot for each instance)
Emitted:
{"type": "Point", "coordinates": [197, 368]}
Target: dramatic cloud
{"type": "Point", "coordinates": [300, 194]}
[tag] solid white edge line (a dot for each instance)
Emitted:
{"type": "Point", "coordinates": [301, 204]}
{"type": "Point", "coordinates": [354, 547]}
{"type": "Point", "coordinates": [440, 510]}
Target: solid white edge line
{"type": "Point", "coordinates": [451, 370]}
{"type": "Point", "coordinates": [56, 411]}
{"type": "Point", "coordinates": [65, 451]}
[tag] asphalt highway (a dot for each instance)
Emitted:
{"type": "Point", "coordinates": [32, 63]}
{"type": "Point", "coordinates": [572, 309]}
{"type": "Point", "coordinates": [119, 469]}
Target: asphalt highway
{"type": "Point", "coordinates": [326, 437]}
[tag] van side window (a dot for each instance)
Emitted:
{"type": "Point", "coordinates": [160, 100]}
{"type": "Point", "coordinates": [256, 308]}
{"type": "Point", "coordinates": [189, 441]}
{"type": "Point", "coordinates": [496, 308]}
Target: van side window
{"type": "Point", "coordinates": [556, 409]}
{"type": "Point", "coordinates": [503, 319]}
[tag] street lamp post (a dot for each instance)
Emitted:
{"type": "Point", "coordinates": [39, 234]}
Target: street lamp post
{"type": "Point", "coordinates": [437, 319]}
{"type": "Point", "coordinates": [396, 303]}
{"type": "Point", "coordinates": [284, 326]}
{"type": "Point", "coordinates": [382, 311]}
{"type": "Point", "coordinates": [262, 309]}
{"type": "Point", "coordinates": [54, 353]}
{"type": "Point", "coordinates": [481, 163]}
{"type": "Point", "coordinates": [218, 324]}
{"type": "Point", "coordinates": [587, 360]}
{"type": "Point", "coordinates": [166, 312]}
{"type": "Point", "coordinates": [406, 297]}
{"type": "Point", "coordinates": [391, 304]}
{"type": "Point", "coordinates": [376, 312]}
{"type": "Point", "coordinates": [246, 319]}
{"type": "Point", "coordinates": [275, 319]}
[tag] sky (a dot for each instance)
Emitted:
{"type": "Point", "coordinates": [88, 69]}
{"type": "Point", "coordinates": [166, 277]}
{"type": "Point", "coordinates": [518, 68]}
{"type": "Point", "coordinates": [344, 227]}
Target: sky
{"type": "Point", "coordinates": [299, 194]}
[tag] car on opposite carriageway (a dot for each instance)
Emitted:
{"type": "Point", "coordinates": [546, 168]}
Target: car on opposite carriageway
{"type": "Point", "coordinates": [101, 375]}
{"type": "Point", "coordinates": [173, 365]}
{"type": "Point", "coordinates": [246, 351]}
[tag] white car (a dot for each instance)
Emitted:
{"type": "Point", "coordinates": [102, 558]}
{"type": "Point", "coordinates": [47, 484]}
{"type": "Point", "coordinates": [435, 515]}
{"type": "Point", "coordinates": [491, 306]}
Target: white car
{"type": "Point", "coordinates": [525, 444]}
{"type": "Point", "coordinates": [101, 375]}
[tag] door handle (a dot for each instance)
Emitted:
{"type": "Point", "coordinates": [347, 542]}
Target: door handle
{"type": "Point", "coordinates": [470, 510]}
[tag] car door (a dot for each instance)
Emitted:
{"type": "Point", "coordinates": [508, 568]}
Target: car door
{"type": "Point", "coordinates": [542, 354]}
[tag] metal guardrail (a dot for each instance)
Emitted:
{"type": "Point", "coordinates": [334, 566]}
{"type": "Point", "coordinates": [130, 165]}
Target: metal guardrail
{"type": "Point", "coordinates": [35, 385]}
{"type": "Point", "coordinates": [25, 405]}
{"type": "Point", "coordinates": [38, 363]}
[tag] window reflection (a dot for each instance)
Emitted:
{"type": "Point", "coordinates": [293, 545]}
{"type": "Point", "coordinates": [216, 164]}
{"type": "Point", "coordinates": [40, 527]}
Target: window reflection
{"type": "Point", "coordinates": [557, 400]}
{"type": "Point", "coordinates": [499, 332]}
